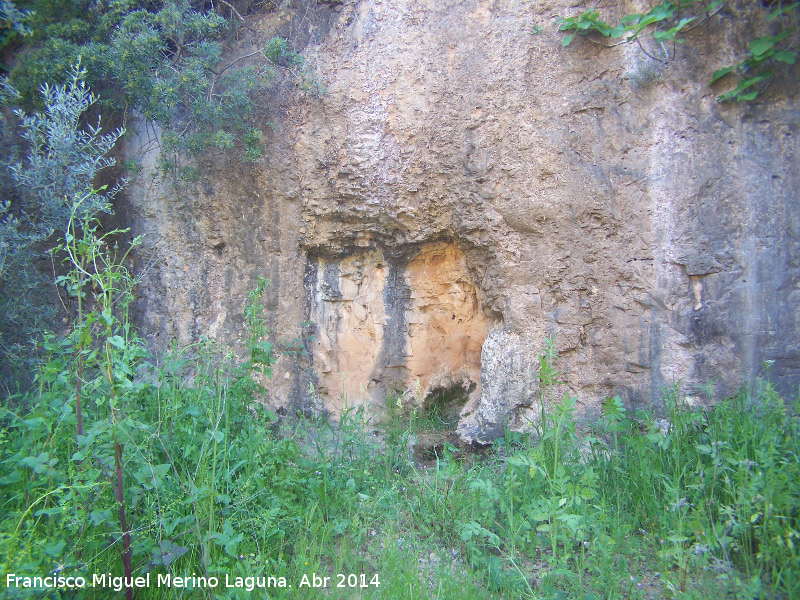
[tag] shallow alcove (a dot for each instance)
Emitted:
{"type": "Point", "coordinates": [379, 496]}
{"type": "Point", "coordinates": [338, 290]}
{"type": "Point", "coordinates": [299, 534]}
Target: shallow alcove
{"type": "Point", "coordinates": [412, 322]}
{"type": "Point", "coordinates": [442, 405]}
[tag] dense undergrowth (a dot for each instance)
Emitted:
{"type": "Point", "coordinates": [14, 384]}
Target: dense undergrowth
{"type": "Point", "coordinates": [118, 464]}
{"type": "Point", "coordinates": [128, 475]}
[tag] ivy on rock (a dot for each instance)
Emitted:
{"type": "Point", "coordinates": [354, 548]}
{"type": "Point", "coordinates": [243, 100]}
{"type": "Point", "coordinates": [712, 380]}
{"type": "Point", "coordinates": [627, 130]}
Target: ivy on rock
{"type": "Point", "coordinates": [667, 21]}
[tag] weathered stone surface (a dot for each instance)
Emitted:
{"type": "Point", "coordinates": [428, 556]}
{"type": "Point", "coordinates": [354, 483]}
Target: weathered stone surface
{"type": "Point", "coordinates": [458, 165]}
{"type": "Point", "coordinates": [385, 326]}
{"type": "Point", "coordinates": [509, 382]}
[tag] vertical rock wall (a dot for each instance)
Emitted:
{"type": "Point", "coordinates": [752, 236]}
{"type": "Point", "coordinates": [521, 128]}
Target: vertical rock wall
{"type": "Point", "coordinates": [465, 188]}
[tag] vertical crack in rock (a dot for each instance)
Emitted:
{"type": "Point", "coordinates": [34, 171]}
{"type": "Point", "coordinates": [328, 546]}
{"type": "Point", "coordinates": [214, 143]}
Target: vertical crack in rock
{"type": "Point", "coordinates": [391, 365]}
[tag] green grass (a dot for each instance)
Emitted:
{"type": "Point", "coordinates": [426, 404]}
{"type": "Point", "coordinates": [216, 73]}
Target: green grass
{"type": "Point", "coordinates": [707, 509]}
{"type": "Point", "coordinates": [701, 504]}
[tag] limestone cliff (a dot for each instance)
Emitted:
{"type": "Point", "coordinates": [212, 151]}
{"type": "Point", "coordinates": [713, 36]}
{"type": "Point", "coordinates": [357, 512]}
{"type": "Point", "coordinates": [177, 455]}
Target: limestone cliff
{"type": "Point", "coordinates": [464, 188]}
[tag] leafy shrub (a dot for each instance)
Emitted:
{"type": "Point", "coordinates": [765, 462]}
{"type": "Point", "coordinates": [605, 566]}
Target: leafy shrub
{"type": "Point", "coordinates": [63, 158]}
{"type": "Point", "coordinates": [161, 60]}
{"type": "Point", "coordinates": [54, 185]}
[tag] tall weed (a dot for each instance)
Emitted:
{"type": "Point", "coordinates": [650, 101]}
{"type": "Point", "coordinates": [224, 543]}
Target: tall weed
{"type": "Point", "coordinates": [711, 495]}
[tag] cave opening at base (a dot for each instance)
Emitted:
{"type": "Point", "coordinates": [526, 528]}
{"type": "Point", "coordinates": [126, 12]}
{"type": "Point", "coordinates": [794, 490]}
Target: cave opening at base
{"type": "Point", "coordinates": [439, 415]}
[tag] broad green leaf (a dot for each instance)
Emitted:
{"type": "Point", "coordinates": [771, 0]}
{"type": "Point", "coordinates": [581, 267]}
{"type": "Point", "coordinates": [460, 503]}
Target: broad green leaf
{"type": "Point", "coordinates": [38, 463]}
{"type": "Point", "coordinates": [55, 549]}
{"type": "Point", "coordinates": [659, 13]}
{"type": "Point", "coordinates": [785, 56]}
{"type": "Point", "coordinates": [704, 449]}
{"type": "Point", "coordinates": [48, 511]}
{"type": "Point", "coordinates": [629, 18]}
{"type": "Point", "coordinates": [743, 85]}
{"type": "Point", "coordinates": [720, 73]}
{"type": "Point", "coordinates": [661, 36]}
{"type": "Point", "coordinates": [782, 11]}
{"type": "Point", "coordinates": [566, 41]}
{"type": "Point", "coordinates": [761, 46]}
{"type": "Point", "coordinates": [13, 477]}
{"type": "Point", "coordinates": [748, 96]}
{"type": "Point", "coordinates": [620, 30]}
{"type": "Point", "coordinates": [165, 554]}
{"type": "Point", "coordinates": [161, 470]}
{"type": "Point", "coordinates": [117, 341]}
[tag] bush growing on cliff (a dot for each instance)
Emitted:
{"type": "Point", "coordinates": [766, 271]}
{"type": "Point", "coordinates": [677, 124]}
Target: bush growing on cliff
{"type": "Point", "coordinates": [54, 185]}
{"type": "Point", "coordinates": [161, 61]}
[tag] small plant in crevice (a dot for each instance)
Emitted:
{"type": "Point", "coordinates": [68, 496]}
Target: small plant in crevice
{"type": "Point", "coordinates": [663, 22]}
{"type": "Point", "coordinates": [279, 54]}
{"type": "Point", "coordinates": [259, 358]}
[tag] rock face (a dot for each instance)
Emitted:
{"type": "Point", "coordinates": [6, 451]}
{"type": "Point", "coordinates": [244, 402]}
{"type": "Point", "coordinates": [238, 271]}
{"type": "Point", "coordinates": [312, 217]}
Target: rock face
{"type": "Point", "coordinates": [386, 326]}
{"type": "Point", "coordinates": [465, 188]}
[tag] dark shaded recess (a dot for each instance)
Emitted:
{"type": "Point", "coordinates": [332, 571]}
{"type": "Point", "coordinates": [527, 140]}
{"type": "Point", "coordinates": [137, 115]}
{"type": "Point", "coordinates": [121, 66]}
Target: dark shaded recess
{"type": "Point", "coordinates": [440, 411]}
{"type": "Point", "coordinates": [396, 300]}
{"type": "Point", "coordinates": [445, 403]}
{"type": "Point", "coordinates": [330, 283]}
{"type": "Point", "coordinates": [707, 328]}
{"type": "Point", "coordinates": [359, 237]}
{"type": "Point", "coordinates": [433, 446]}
